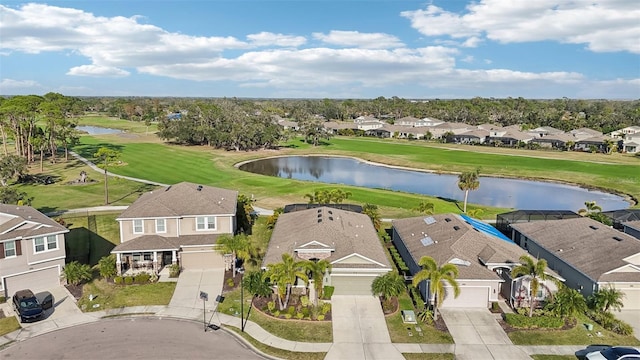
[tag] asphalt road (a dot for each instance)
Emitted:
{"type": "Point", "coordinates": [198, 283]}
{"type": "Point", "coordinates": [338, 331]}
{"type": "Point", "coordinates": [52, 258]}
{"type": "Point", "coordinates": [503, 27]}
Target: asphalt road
{"type": "Point", "coordinates": [132, 338]}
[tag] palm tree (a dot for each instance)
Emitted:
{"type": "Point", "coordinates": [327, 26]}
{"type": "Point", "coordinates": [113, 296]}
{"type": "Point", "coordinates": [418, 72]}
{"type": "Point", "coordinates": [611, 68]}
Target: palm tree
{"type": "Point", "coordinates": [372, 212]}
{"type": "Point", "coordinates": [317, 270]}
{"type": "Point", "coordinates": [568, 302]}
{"type": "Point", "coordinates": [535, 271]}
{"type": "Point", "coordinates": [426, 208]}
{"type": "Point", "coordinates": [237, 246]}
{"type": "Point", "coordinates": [437, 276]}
{"type": "Point", "coordinates": [468, 181]}
{"type": "Point", "coordinates": [590, 208]}
{"type": "Point", "coordinates": [607, 298]}
{"type": "Point", "coordinates": [284, 276]}
{"type": "Point", "coordinates": [388, 285]}
{"type": "Point", "coordinates": [106, 156]}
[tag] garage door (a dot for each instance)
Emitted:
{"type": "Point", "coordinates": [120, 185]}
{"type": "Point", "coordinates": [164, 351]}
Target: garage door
{"type": "Point", "coordinates": [201, 260]}
{"type": "Point", "coordinates": [352, 285]}
{"type": "Point", "coordinates": [470, 297]}
{"type": "Point", "coordinates": [631, 299]}
{"type": "Point", "coordinates": [38, 280]}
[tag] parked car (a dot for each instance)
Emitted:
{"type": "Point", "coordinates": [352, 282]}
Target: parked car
{"type": "Point", "coordinates": [27, 306]}
{"type": "Point", "coordinates": [615, 353]}
{"type": "Point", "coordinates": [582, 354]}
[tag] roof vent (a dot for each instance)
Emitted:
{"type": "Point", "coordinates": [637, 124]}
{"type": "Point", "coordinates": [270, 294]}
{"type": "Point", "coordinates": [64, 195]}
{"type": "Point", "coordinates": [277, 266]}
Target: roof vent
{"type": "Point", "coordinates": [168, 188]}
{"type": "Point", "coordinates": [447, 219]}
{"type": "Point", "coordinates": [199, 187]}
{"type": "Point", "coordinates": [456, 228]}
{"type": "Point", "coordinates": [617, 238]}
{"type": "Point", "coordinates": [330, 212]}
{"type": "Point", "coordinates": [319, 220]}
{"type": "Point", "coordinates": [593, 227]}
{"type": "Point", "coordinates": [331, 218]}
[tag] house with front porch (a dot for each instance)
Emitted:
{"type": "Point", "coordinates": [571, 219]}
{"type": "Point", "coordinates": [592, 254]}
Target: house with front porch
{"type": "Point", "coordinates": [179, 224]}
{"type": "Point", "coordinates": [346, 239]}
{"type": "Point", "coordinates": [32, 250]}
{"type": "Point", "coordinates": [484, 258]}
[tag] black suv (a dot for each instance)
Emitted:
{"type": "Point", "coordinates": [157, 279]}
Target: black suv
{"type": "Point", "coordinates": [27, 306]}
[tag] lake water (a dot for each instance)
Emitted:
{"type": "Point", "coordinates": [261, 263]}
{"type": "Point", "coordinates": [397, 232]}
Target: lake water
{"type": "Point", "coordinates": [96, 130]}
{"type": "Point", "coordinates": [499, 192]}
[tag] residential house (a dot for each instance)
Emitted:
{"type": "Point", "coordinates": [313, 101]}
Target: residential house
{"type": "Point", "coordinates": [397, 131]}
{"type": "Point", "coordinates": [622, 133]}
{"type": "Point", "coordinates": [179, 224]}
{"type": "Point", "coordinates": [554, 141]}
{"type": "Point", "coordinates": [407, 121]}
{"type": "Point", "coordinates": [597, 143]}
{"type": "Point", "coordinates": [544, 131]}
{"type": "Point", "coordinates": [32, 250]}
{"type": "Point", "coordinates": [584, 133]}
{"type": "Point", "coordinates": [334, 127]}
{"type": "Point", "coordinates": [504, 220]}
{"type": "Point", "coordinates": [632, 228]}
{"type": "Point", "coordinates": [346, 239]}
{"type": "Point", "coordinates": [621, 216]}
{"type": "Point", "coordinates": [587, 253]}
{"type": "Point", "coordinates": [438, 131]}
{"type": "Point", "coordinates": [631, 143]}
{"type": "Point", "coordinates": [509, 137]}
{"type": "Point", "coordinates": [471, 137]}
{"type": "Point", "coordinates": [484, 258]}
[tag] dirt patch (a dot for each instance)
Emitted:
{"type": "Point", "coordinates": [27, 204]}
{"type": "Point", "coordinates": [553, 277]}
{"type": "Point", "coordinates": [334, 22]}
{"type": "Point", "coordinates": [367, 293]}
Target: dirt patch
{"type": "Point", "coordinates": [389, 307]}
{"type": "Point", "coordinates": [75, 290]}
{"type": "Point", "coordinates": [231, 282]}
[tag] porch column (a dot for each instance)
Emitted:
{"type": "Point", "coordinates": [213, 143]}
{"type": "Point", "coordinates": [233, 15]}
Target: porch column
{"type": "Point", "coordinates": [155, 262]}
{"type": "Point", "coordinates": [174, 258]}
{"type": "Point", "coordinates": [119, 263]}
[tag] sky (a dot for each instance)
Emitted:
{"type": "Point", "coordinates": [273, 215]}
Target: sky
{"type": "Point", "coordinates": [348, 49]}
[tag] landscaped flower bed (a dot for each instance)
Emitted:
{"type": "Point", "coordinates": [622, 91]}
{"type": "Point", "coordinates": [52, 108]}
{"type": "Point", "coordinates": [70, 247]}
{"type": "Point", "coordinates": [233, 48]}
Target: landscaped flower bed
{"type": "Point", "coordinates": [299, 308]}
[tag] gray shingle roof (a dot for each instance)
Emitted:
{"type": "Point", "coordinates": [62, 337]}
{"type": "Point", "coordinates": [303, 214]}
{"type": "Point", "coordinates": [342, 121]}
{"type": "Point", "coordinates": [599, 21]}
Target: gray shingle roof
{"type": "Point", "coordinates": [454, 238]}
{"type": "Point", "coordinates": [345, 231]}
{"type": "Point", "coordinates": [183, 199]}
{"type": "Point", "coordinates": [587, 245]}
{"type": "Point", "coordinates": [26, 222]}
{"type": "Point", "coordinates": [156, 242]}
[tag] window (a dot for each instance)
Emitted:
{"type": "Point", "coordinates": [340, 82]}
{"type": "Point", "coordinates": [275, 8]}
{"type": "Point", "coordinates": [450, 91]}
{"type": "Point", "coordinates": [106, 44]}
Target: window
{"type": "Point", "coordinates": [45, 243]}
{"type": "Point", "coordinates": [137, 227]}
{"type": "Point", "coordinates": [206, 223]}
{"type": "Point", "coordinates": [161, 226]}
{"type": "Point", "coordinates": [10, 248]}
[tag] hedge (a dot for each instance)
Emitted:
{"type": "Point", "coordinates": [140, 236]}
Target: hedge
{"type": "Point", "coordinates": [523, 321]}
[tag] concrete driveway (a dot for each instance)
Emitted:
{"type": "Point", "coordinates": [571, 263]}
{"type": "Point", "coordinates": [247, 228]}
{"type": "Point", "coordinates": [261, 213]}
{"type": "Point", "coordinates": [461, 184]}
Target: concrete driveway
{"type": "Point", "coordinates": [631, 317]}
{"type": "Point", "coordinates": [192, 282]}
{"type": "Point", "coordinates": [478, 335]}
{"type": "Point", "coordinates": [360, 330]}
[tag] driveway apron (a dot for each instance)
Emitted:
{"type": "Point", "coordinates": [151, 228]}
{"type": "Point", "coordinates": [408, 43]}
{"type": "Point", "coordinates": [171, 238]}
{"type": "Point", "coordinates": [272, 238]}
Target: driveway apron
{"type": "Point", "coordinates": [360, 330]}
{"type": "Point", "coordinates": [192, 282]}
{"type": "Point", "coordinates": [478, 335]}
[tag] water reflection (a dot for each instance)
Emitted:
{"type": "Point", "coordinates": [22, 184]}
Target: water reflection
{"type": "Point", "coordinates": [507, 193]}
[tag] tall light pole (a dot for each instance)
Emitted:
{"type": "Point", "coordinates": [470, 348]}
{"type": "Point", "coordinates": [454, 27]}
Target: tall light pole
{"type": "Point", "coordinates": [242, 323]}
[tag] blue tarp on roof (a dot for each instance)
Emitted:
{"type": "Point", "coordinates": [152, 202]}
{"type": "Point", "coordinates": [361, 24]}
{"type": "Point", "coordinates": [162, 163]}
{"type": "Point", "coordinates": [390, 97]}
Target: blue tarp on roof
{"type": "Point", "coordinates": [485, 228]}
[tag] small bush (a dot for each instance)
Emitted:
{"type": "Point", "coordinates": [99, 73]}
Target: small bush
{"type": "Point", "coordinates": [3, 299]}
{"type": "Point", "coordinates": [495, 306]}
{"type": "Point", "coordinates": [326, 307]}
{"type": "Point", "coordinates": [304, 301]}
{"type": "Point", "coordinates": [608, 321]}
{"type": "Point", "coordinates": [287, 316]}
{"type": "Point", "coordinates": [320, 317]}
{"type": "Point", "coordinates": [299, 315]}
{"type": "Point", "coordinates": [328, 292]}
{"type": "Point", "coordinates": [230, 283]}
{"type": "Point", "coordinates": [291, 310]}
{"type": "Point", "coordinates": [306, 312]}
{"type": "Point", "coordinates": [118, 280]}
{"type": "Point", "coordinates": [128, 280]}
{"type": "Point", "coordinates": [523, 321]}
{"type": "Point", "coordinates": [142, 278]}
{"type": "Point", "coordinates": [276, 313]}
{"type": "Point", "coordinates": [174, 270]}
{"type": "Point", "coordinates": [271, 305]}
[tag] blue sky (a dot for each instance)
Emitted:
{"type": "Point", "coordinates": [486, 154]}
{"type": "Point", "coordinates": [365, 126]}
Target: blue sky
{"type": "Point", "coordinates": [322, 48]}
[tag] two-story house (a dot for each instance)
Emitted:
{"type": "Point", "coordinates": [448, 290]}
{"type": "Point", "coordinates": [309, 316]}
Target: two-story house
{"type": "Point", "coordinates": [178, 224]}
{"type": "Point", "coordinates": [32, 250]}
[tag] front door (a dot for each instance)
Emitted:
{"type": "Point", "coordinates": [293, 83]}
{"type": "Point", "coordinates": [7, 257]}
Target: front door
{"type": "Point", "coordinates": [166, 258]}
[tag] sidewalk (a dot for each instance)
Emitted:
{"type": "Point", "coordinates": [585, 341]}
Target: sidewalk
{"type": "Point", "coordinates": [253, 329]}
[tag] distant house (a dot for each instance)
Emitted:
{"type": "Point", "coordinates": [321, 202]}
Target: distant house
{"type": "Point", "coordinates": [32, 250]}
{"type": "Point", "coordinates": [504, 220]}
{"type": "Point", "coordinates": [599, 143]}
{"type": "Point", "coordinates": [544, 131]}
{"type": "Point", "coordinates": [334, 127]}
{"type": "Point", "coordinates": [622, 133]}
{"type": "Point", "coordinates": [471, 137]}
{"type": "Point", "coordinates": [438, 131]}
{"type": "Point", "coordinates": [510, 137]}
{"type": "Point", "coordinates": [179, 224]}
{"type": "Point", "coordinates": [584, 133]}
{"type": "Point", "coordinates": [554, 141]}
{"type": "Point", "coordinates": [346, 239]}
{"type": "Point", "coordinates": [588, 254]}
{"type": "Point", "coordinates": [631, 143]}
{"type": "Point", "coordinates": [632, 228]}
{"type": "Point", "coordinates": [483, 256]}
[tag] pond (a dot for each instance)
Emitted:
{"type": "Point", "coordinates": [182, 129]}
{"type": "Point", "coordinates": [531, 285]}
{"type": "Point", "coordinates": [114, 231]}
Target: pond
{"type": "Point", "coordinates": [96, 130]}
{"type": "Point", "coordinates": [498, 192]}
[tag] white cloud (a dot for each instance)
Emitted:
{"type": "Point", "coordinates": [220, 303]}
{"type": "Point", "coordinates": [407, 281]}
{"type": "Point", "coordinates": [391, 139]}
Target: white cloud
{"type": "Point", "coordinates": [359, 40]}
{"type": "Point", "coordinates": [97, 71]}
{"type": "Point", "coordinates": [270, 39]}
{"type": "Point", "coordinates": [16, 87]}
{"type": "Point", "coordinates": [604, 25]}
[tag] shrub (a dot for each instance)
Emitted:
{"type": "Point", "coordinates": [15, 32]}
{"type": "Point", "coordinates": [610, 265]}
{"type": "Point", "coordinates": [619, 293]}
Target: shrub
{"type": "Point", "coordinates": [608, 321]}
{"type": "Point", "coordinates": [128, 280]}
{"type": "Point", "coordinates": [495, 306]}
{"type": "Point", "coordinates": [291, 310]}
{"type": "Point", "coordinates": [271, 305]}
{"type": "Point", "coordinates": [326, 307]}
{"type": "Point", "coordinates": [118, 280]}
{"type": "Point", "coordinates": [299, 315]}
{"type": "Point", "coordinates": [230, 283]}
{"type": "Point", "coordinates": [276, 313]}
{"type": "Point", "coordinates": [75, 273]}
{"type": "Point", "coordinates": [320, 317]}
{"type": "Point", "coordinates": [287, 316]}
{"type": "Point", "coordinates": [523, 321]}
{"type": "Point", "coordinates": [107, 266]}
{"type": "Point", "coordinates": [306, 312]}
{"type": "Point", "coordinates": [3, 299]}
{"type": "Point", "coordinates": [174, 270]}
{"type": "Point", "coordinates": [142, 278]}
{"type": "Point", "coordinates": [426, 316]}
{"type": "Point", "coordinates": [304, 301]}
{"type": "Point", "coordinates": [327, 292]}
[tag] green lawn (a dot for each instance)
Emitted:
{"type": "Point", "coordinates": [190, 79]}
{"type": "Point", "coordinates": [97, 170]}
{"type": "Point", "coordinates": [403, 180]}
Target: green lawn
{"type": "Point", "coordinates": [8, 324]}
{"type": "Point", "coordinates": [399, 331]}
{"type": "Point", "coordinates": [294, 330]}
{"type": "Point", "coordinates": [91, 236]}
{"type": "Point", "coordinates": [276, 352]}
{"type": "Point", "coordinates": [111, 296]}
{"type": "Point", "coordinates": [576, 336]}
